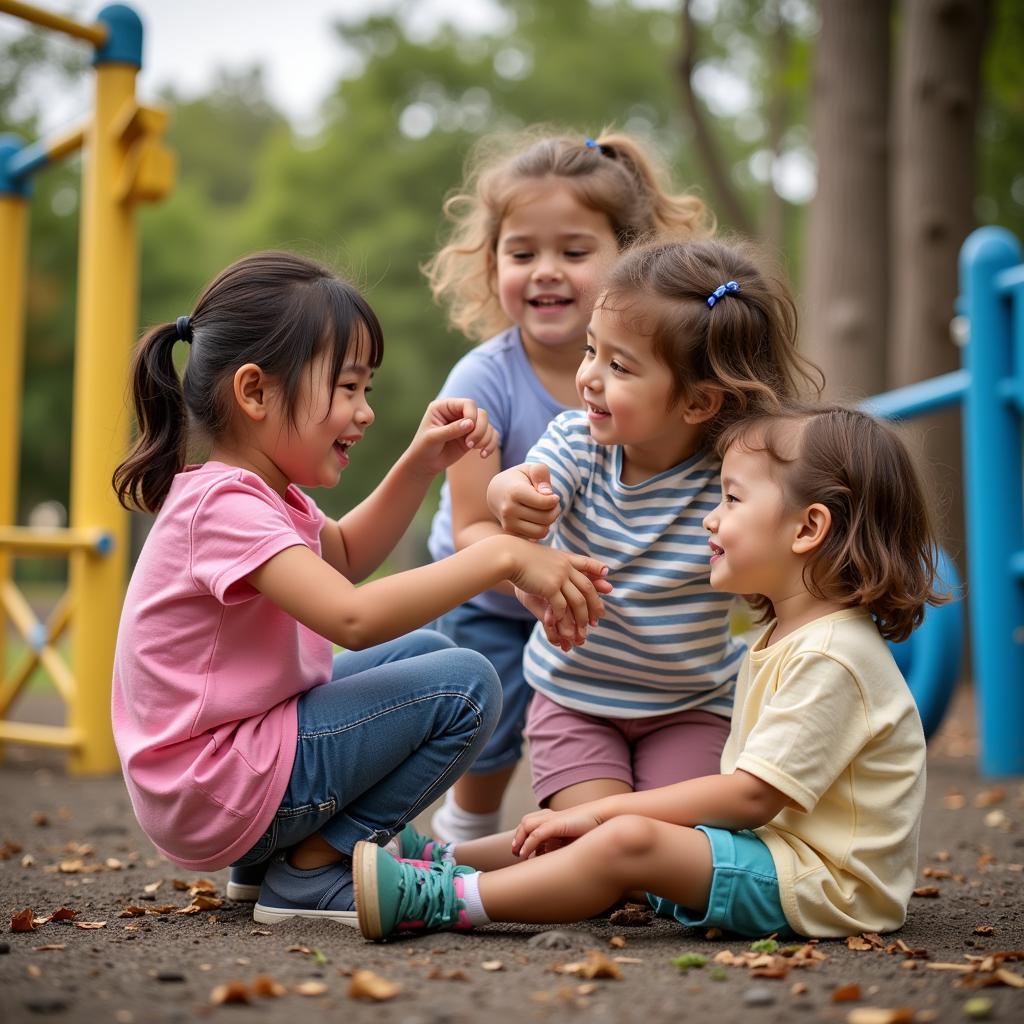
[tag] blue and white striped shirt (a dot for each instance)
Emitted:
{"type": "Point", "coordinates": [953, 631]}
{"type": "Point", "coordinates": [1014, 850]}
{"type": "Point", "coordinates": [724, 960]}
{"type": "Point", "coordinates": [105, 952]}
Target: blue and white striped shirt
{"type": "Point", "coordinates": [664, 644]}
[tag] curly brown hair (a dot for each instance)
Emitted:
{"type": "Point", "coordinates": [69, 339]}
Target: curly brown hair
{"type": "Point", "coordinates": [617, 176]}
{"type": "Point", "coordinates": [744, 345]}
{"type": "Point", "coordinates": [880, 551]}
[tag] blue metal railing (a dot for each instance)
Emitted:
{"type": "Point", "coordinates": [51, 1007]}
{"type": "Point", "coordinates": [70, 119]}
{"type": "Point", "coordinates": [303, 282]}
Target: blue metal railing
{"type": "Point", "coordinates": [991, 390]}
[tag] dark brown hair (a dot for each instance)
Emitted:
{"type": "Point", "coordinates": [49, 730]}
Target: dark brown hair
{"type": "Point", "coordinates": [617, 175]}
{"type": "Point", "coordinates": [276, 309]}
{"type": "Point", "coordinates": [880, 551]}
{"type": "Point", "coordinates": [744, 345]}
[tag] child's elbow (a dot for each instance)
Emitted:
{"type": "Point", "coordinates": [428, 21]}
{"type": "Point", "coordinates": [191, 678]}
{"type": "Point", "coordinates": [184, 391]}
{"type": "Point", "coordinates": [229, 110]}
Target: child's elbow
{"type": "Point", "coordinates": [761, 801]}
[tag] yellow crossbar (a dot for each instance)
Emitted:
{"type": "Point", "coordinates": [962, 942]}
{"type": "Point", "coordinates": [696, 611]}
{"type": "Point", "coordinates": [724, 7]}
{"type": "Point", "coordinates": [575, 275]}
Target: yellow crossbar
{"type": "Point", "coordinates": [95, 34]}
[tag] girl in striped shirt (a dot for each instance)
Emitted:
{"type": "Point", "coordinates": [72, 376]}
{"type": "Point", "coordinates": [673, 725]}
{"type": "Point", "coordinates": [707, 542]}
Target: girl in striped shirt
{"type": "Point", "coordinates": [685, 337]}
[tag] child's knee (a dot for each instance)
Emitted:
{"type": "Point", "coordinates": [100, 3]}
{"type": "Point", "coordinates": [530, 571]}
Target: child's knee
{"type": "Point", "coordinates": [478, 681]}
{"type": "Point", "coordinates": [629, 835]}
{"type": "Point", "coordinates": [427, 641]}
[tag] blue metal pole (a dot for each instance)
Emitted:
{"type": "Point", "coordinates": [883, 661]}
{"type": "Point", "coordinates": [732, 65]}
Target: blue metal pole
{"type": "Point", "coordinates": [993, 497]}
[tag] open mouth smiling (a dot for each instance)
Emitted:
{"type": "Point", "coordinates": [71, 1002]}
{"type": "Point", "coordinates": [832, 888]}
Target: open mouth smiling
{"type": "Point", "coordinates": [716, 551]}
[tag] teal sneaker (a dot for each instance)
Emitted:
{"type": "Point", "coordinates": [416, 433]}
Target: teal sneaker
{"type": "Point", "coordinates": [395, 895]}
{"type": "Point", "coordinates": [413, 845]}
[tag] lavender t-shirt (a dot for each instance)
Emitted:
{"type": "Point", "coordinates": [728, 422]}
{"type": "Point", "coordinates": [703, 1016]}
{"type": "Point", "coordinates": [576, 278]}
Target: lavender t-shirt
{"type": "Point", "coordinates": [208, 671]}
{"type": "Point", "coordinates": [498, 376]}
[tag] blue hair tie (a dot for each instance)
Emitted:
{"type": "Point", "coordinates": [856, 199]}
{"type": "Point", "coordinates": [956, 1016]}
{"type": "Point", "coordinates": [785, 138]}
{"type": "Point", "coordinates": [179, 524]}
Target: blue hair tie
{"type": "Point", "coordinates": [591, 143]}
{"type": "Point", "coordinates": [723, 289]}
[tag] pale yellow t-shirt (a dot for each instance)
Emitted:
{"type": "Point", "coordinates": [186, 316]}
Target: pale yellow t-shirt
{"type": "Point", "coordinates": [825, 716]}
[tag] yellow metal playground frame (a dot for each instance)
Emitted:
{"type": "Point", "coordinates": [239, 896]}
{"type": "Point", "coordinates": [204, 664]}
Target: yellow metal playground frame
{"type": "Point", "coordinates": [124, 163]}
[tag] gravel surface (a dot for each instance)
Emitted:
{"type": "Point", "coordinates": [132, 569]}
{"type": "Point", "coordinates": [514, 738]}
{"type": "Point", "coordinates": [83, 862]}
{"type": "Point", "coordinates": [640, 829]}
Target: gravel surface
{"type": "Point", "coordinates": [71, 842]}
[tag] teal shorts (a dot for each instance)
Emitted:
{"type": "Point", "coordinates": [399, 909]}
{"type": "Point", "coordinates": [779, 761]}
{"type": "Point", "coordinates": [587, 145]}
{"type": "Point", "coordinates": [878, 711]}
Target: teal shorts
{"type": "Point", "coordinates": [744, 895]}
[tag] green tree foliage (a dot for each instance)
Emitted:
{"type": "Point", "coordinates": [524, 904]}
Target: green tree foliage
{"type": "Point", "coordinates": [365, 193]}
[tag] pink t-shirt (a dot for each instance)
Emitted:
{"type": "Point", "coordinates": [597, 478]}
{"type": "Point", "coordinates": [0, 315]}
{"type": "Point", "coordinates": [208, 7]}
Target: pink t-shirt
{"type": "Point", "coordinates": [208, 671]}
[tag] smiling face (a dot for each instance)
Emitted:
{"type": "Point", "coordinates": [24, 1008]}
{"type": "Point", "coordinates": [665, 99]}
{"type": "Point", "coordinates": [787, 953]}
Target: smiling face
{"type": "Point", "coordinates": [551, 254]}
{"type": "Point", "coordinates": [330, 416]}
{"type": "Point", "coordinates": [753, 530]}
{"type": "Point", "coordinates": [628, 392]}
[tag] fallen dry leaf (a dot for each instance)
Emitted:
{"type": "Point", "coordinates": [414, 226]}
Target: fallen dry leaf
{"type": "Point", "coordinates": [617, 942]}
{"type": "Point", "coordinates": [23, 921]}
{"type": "Point", "coordinates": [310, 988]}
{"type": "Point", "coordinates": [265, 986]}
{"type": "Point", "coordinates": [846, 994]}
{"type": "Point", "coordinates": [596, 965]}
{"type": "Point", "coordinates": [200, 903]}
{"type": "Point", "coordinates": [9, 850]}
{"type": "Point", "coordinates": [632, 915]}
{"type": "Point", "coordinates": [984, 929]}
{"type": "Point", "coordinates": [63, 914]}
{"type": "Point", "coordinates": [90, 925]}
{"type": "Point", "coordinates": [230, 992]}
{"type": "Point", "coordinates": [927, 891]}
{"type": "Point", "coordinates": [447, 974]}
{"type": "Point", "coordinates": [132, 911]}
{"type": "Point", "coordinates": [49, 947]}
{"type": "Point", "coordinates": [858, 943]}
{"type": "Point", "coordinates": [988, 797]}
{"type": "Point", "coordinates": [367, 985]}
{"type": "Point", "coordinates": [798, 988]}
{"type": "Point", "coordinates": [260, 931]}
{"type": "Point", "coordinates": [493, 965]}
{"type": "Point", "coordinates": [880, 1015]}
{"type": "Point", "coordinates": [153, 886]}
{"type": "Point", "coordinates": [954, 800]}
{"type": "Point", "coordinates": [1009, 978]}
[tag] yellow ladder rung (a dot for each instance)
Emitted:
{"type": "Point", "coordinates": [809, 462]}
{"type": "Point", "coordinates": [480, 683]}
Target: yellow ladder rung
{"type": "Point", "coordinates": [40, 735]}
{"type": "Point", "coordinates": [30, 540]}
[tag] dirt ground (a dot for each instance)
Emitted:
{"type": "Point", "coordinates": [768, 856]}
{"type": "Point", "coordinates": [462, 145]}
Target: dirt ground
{"type": "Point", "coordinates": [73, 843]}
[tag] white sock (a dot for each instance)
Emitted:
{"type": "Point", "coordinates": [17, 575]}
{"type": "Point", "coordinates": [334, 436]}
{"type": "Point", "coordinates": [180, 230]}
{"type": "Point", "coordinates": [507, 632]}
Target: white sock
{"type": "Point", "coordinates": [453, 824]}
{"type": "Point", "coordinates": [471, 897]}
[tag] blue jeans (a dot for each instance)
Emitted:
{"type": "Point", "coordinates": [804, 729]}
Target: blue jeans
{"type": "Point", "coordinates": [393, 729]}
{"type": "Point", "coordinates": [501, 640]}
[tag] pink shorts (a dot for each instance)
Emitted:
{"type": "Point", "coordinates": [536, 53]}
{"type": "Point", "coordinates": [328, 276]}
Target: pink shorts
{"type": "Point", "coordinates": [567, 747]}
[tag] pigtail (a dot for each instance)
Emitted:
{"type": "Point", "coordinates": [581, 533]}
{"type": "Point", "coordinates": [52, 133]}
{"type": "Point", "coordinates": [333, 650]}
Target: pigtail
{"type": "Point", "coordinates": [144, 478]}
{"type": "Point", "coordinates": [682, 215]}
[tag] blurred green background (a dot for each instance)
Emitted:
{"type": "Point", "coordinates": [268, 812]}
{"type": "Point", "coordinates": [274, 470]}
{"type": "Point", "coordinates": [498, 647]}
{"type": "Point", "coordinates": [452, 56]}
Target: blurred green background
{"type": "Point", "coordinates": [365, 192]}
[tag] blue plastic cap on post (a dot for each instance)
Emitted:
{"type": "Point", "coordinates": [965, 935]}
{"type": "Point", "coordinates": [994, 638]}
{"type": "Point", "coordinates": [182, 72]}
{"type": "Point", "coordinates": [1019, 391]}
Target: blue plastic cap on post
{"type": "Point", "coordinates": [124, 41]}
{"type": "Point", "coordinates": [12, 184]}
{"type": "Point", "coordinates": [988, 245]}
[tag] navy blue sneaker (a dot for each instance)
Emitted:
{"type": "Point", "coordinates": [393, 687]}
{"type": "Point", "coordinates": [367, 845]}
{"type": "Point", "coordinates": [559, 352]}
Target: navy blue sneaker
{"type": "Point", "coordinates": [244, 882]}
{"type": "Point", "coordinates": [320, 892]}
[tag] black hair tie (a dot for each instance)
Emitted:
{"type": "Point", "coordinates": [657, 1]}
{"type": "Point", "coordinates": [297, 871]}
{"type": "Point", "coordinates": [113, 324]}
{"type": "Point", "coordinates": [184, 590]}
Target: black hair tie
{"type": "Point", "coordinates": [184, 327]}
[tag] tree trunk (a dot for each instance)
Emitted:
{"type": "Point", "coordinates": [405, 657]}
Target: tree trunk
{"type": "Point", "coordinates": [728, 200]}
{"type": "Point", "coordinates": [846, 276]}
{"type": "Point", "coordinates": [774, 222]}
{"type": "Point", "coordinates": [938, 86]}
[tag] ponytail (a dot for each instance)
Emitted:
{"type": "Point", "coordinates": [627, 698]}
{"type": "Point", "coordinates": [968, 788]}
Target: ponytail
{"type": "Point", "coordinates": [666, 214]}
{"type": "Point", "coordinates": [144, 478]}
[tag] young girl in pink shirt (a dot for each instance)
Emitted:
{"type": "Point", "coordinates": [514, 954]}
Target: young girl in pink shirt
{"type": "Point", "coordinates": [244, 740]}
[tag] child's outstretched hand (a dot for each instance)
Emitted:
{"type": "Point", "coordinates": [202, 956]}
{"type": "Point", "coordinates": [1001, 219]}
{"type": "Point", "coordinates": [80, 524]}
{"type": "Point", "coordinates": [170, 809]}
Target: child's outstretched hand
{"type": "Point", "coordinates": [522, 500]}
{"type": "Point", "coordinates": [563, 632]}
{"type": "Point", "coordinates": [564, 583]}
{"type": "Point", "coordinates": [543, 831]}
{"type": "Point", "coordinates": [450, 428]}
